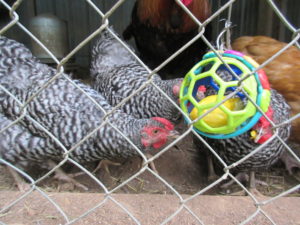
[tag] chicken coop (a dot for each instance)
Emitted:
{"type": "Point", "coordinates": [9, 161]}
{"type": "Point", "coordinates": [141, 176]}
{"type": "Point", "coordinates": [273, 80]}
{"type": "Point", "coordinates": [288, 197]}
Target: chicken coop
{"type": "Point", "coordinates": [100, 114]}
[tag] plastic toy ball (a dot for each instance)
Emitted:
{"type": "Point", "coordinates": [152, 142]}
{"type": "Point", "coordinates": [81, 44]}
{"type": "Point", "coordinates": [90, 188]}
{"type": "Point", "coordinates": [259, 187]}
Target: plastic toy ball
{"type": "Point", "coordinates": [217, 117]}
{"type": "Point", "coordinates": [213, 98]}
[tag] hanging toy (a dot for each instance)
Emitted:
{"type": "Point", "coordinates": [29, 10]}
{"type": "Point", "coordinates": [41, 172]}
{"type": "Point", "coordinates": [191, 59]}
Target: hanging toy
{"type": "Point", "coordinates": [211, 82]}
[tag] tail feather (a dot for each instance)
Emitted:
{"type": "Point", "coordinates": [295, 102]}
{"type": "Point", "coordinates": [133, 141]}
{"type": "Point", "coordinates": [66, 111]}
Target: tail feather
{"type": "Point", "coordinates": [127, 33]}
{"type": "Point", "coordinates": [108, 52]}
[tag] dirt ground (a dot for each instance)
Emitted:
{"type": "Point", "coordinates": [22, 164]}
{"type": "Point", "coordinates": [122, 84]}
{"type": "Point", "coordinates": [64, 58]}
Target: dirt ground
{"type": "Point", "coordinates": [184, 169]}
{"type": "Point", "coordinates": [147, 209]}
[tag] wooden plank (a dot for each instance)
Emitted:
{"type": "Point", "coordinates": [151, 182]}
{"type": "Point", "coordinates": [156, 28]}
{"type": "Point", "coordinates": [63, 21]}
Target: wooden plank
{"type": "Point", "coordinates": [44, 6]}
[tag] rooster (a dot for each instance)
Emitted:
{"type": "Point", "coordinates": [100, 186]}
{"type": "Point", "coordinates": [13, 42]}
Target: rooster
{"type": "Point", "coordinates": [233, 149]}
{"type": "Point", "coordinates": [283, 72]}
{"type": "Point", "coordinates": [160, 28]}
{"type": "Point", "coordinates": [117, 74]}
{"type": "Point", "coordinates": [67, 113]}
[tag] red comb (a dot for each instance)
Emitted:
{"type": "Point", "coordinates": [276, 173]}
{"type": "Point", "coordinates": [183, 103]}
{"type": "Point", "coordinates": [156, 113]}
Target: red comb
{"type": "Point", "coordinates": [167, 123]}
{"type": "Point", "coordinates": [202, 88]}
{"type": "Point", "coordinates": [186, 2]}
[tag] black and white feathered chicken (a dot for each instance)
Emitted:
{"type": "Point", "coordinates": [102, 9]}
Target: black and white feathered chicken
{"type": "Point", "coordinates": [67, 113]}
{"type": "Point", "coordinates": [233, 149]}
{"type": "Point", "coordinates": [117, 74]}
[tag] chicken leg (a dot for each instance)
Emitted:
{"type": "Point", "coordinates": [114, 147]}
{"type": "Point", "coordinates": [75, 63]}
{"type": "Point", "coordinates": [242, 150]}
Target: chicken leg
{"type": "Point", "coordinates": [104, 163]}
{"type": "Point", "coordinates": [21, 184]}
{"type": "Point", "coordinates": [244, 177]}
{"type": "Point", "coordinates": [62, 176]}
{"type": "Point", "coordinates": [212, 176]}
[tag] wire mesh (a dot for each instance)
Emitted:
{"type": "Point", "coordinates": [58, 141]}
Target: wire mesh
{"type": "Point", "coordinates": [183, 200]}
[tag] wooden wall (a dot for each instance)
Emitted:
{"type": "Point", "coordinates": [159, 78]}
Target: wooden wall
{"type": "Point", "coordinates": [256, 17]}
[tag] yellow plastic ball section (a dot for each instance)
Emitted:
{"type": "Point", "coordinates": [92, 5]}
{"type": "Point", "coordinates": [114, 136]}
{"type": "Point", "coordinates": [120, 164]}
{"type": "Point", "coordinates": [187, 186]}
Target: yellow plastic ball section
{"type": "Point", "coordinates": [217, 117]}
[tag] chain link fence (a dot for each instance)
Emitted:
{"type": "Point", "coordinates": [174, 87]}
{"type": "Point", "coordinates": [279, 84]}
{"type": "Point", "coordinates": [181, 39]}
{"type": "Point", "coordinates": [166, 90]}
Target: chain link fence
{"type": "Point", "coordinates": [110, 195]}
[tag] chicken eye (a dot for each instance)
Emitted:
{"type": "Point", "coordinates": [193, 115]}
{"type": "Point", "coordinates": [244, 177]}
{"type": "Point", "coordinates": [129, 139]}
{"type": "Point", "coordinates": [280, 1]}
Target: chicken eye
{"type": "Point", "coordinates": [155, 131]}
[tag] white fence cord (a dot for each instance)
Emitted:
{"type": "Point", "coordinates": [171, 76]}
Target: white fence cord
{"type": "Point", "coordinates": [109, 194]}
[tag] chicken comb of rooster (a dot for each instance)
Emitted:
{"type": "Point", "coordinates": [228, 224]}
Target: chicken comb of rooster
{"type": "Point", "coordinates": [186, 2]}
{"type": "Point", "coordinates": [167, 123]}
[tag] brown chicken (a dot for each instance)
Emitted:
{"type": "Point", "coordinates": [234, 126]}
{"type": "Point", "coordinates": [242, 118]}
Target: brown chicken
{"type": "Point", "coordinates": [283, 72]}
{"type": "Point", "coordinates": [160, 28]}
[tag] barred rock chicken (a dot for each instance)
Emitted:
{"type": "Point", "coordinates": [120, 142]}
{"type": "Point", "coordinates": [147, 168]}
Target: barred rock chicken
{"type": "Point", "coordinates": [160, 28]}
{"type": "Point", "coordinates": [283, 72]}
{"type": "Point", "coordinates": [233, 149]}
{"type": "Point", "coordinates": [117, 74]}
{"type": "Point", "coordinates": [67, 113]}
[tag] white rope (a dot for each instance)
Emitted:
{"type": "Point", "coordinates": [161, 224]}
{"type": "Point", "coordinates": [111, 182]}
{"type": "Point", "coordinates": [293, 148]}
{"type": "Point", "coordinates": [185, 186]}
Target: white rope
{"type": "Point", "coordinates": [223, 42]}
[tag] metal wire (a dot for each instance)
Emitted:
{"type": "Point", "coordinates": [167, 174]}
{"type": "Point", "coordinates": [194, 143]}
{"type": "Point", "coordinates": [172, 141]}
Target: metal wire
{"type": "Point", "coordinates": [109, 194]}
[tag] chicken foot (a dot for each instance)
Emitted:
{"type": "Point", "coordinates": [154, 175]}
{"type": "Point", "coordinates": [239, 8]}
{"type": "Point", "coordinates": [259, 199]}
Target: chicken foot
{"type": "Point", "coordinates": [62, 176]}
{"type": "Point", "coordinates": [244, 177]}
{"type": "Point", "coordinates": [151, 164]}
{"type": "Point", "coordinates": [105, 163]}
{"type": "Point", "coordinates": [212, 176]}
{"type": "Point", "coordinates": [21, 184]}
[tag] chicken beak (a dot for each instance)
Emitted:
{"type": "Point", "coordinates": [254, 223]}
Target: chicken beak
{"type": "Point", "coordinates": [258, 135]}
{"type": "Point", "coordinates": [174, 134]}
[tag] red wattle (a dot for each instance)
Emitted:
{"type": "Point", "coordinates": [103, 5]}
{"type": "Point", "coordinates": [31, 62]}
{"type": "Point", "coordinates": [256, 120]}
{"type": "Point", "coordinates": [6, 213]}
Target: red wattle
{"type": "Point", "coordinates": [160, 144]}
{"type": "Point", "coordinates": [145, 143]}
{"type": "Point", "coordinates": [264, 138]}
{"type": "Point", "coordinates": [264, 123]}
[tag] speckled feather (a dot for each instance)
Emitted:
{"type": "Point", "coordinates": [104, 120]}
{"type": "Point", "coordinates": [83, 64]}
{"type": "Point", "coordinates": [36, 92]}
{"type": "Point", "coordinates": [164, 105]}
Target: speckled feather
{"type": "Point", "coordinates": [62, 109]}
{"type": "Point", "coordinates": [117, 74]}
{"type": "Point", "coordinates": [233, 149]}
